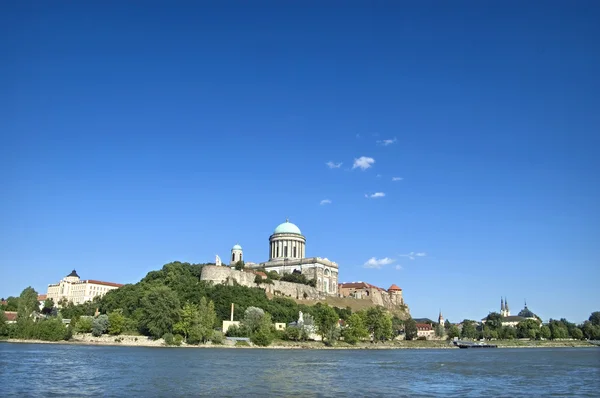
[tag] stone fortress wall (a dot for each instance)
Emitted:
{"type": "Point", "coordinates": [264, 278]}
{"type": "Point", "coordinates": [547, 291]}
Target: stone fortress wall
{"type": "Point", "coordinates": [229, 276]}
{"type": "Point", "coordinates": [226, 275]}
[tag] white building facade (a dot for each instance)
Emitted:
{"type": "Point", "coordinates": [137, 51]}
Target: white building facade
{"type": "Point", "coordinates": [72, 288]}
{"type": "Point", "coordinates": [287, 253]}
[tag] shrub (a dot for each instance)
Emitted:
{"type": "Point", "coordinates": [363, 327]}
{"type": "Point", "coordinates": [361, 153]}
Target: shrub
{"type": "Point", "coordinates": [84, 324]}
{"type": "Point", "coordinates": [168, 338]}
{"type": "Point", "coordinates": [421, 338]}
{"type": "Point", "coordinates": [237, 331]}
{"type": "Point", "coordinates": [50, 330]}
{"type": "Point", "coordinates": [100, 325]}
{"type": "Point", "coordinates": [217, 337]}
{"type": "Point", "coordinates": [242, 343]}
{"type": "Point", "coordinates": [292, 334]}
{"type": "Point", "coordinates": [262, 338]}
{"type": "Point", "coordinates": [177, 339]}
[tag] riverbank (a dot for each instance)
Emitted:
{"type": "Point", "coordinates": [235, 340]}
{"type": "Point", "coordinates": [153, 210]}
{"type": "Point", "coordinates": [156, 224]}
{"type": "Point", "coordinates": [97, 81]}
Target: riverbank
{"type": "Point", "coordinates": [143, 341]}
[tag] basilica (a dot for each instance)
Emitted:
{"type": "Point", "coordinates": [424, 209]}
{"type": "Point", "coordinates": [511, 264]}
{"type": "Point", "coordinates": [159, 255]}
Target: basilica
{"type": "Point", "coordinates": [287, 254]}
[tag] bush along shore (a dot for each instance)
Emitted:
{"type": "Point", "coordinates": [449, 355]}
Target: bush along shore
{"type": "Point", "coordinates": [173, 307]}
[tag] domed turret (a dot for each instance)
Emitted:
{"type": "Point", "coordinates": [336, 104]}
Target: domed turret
{"type": "Point", "coordinates": [287, 242]}
{"type": "Point", "coordinates": [236, 254]}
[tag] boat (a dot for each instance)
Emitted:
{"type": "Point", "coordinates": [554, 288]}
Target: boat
{"type": "Point", "coordinates": [468, 344]}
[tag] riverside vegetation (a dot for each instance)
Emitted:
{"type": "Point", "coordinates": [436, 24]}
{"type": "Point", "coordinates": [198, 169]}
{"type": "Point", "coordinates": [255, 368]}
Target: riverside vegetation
{"type": "Point", "coordinates": [174, 304]}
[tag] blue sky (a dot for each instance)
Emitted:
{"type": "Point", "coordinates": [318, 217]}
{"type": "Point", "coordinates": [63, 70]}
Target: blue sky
{"type": "Point", "coordinates": [133, 136]}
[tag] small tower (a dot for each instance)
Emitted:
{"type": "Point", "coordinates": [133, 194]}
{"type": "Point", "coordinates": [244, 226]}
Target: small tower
{"type": "Point", "coordinates": [506, 309]}
{"type": "Point", "coordinates": [501, 306]}
{"type": "Point", "coordinates": [441, 319]}
{"type": "Point", "coordinates": [236, 254]}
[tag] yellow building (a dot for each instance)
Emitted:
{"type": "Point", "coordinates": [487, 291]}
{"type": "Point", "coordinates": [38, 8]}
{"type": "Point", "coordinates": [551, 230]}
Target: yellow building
{"type": "Point", "coordinates": [74, 289]}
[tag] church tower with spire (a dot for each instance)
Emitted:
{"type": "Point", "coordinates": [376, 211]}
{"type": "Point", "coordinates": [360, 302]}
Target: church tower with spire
{"type": "Point", "coordinates": [441, 320]}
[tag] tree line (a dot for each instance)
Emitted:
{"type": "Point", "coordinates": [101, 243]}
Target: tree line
{"type": "Point", "coordinates": [175, 304]}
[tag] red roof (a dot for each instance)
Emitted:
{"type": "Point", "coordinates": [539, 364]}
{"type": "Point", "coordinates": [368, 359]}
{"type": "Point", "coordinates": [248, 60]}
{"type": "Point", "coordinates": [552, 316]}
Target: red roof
{"type": "Point", "coordinates": [10, 315]}
{"type": "Point", "coordinates": [104, 283]}
{"type": "Point", "coordinates": [394, 287]}
{"type": "Point", "coordinates": [358, 285]}
{"type": "Point", "coordinates": [41, 297]}
{"type": "Point", "coordinates": [424, 326]}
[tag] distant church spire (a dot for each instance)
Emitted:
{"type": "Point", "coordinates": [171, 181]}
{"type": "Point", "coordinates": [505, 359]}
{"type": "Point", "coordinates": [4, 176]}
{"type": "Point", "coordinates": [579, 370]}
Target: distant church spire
{"type": "Point", "coordinates": [501, 305]}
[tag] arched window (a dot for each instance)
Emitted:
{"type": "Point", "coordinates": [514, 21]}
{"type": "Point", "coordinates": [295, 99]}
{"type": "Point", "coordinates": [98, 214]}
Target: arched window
{"type": "Point", "coordinates": [327, 273]}
{"type": "Point", "coordinates": [232, 257]}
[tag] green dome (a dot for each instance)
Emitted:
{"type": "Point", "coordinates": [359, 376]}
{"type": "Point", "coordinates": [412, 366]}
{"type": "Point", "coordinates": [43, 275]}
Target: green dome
{"type": "Point", "coordinates": [287, 228]}
{"type": "Point", "coordinates": [236, 247]}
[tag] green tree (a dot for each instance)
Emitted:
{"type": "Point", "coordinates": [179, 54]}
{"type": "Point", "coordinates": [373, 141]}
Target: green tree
{"type": "Point", "coordinates": [12, 304]}
{"type": "Point", "coordinates": [3, 324]}
{"type": "Point", "coordinates": [189, 318]}
{"type": "Point", "coordinates": [528, 329]}
{"type": "Point", "coordinates": [469, 329]}
{"type": "Point", "coordinates": [239, 265]}
{"type": "Point", "coordinates": [595, 318]}
{"type": "Point", "coordinates": [84, 324]}
{"type": "Point", "coordinates": [263, 335]}
{"type": "Point", "coordinates": [50, 330]}
{"type": "Point", "coordinates": [160, 311]}
{"type": "Point", "coordinates": [100, 325]}
{"type": "Point", "coordinates": [252, 318]}
{"type": "Point", "coordinates": [453, 332]}
{"type": "Point", "coordinates": [509, 333]}
{"type": "Point", "coordinates": [28, 303]}
{"type": "Point", "coordinates": [207, 318]}
{"type": "Point", "coordinates": [410, 329]}
{"type": "Point", "coordinates": [379, 323]}
{"type": "Point", "coordinates": [48, 306]}
{"type": "Point", "coordinates": [545, 332]}
{"type": "Point", "coordinates": [355, 329]}
{"type": "Point", "coordinates": [116, 322]}
{"type": "Point", "coordinates": [577, 334]}
{"type": "Point", "coordinates": [494, 321]}
{"type": "Point", "coordinates": [591, 331]}
{"type": "Point", "coordinates": [558, 329]}
{"type": "Point", "coordinates": [326, 320]}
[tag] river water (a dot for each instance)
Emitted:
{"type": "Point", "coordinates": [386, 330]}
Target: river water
{"type": "Point", "coordinates": [76, 371]}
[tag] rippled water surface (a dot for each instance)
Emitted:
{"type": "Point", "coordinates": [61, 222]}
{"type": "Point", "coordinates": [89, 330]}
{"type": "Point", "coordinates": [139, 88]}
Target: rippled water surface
{"type": "Point", "coordinates": [73, 371]}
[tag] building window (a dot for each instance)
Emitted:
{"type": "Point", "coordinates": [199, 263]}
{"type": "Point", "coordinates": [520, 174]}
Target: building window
{"type": "Point", "coordinates": [232, 256]}
{"type": "Point", "coordinates": [294, 252]}
{"type": "Point", "coordinates": [277, 252]}
{"type": "Point", "coordinates": [285, 251]}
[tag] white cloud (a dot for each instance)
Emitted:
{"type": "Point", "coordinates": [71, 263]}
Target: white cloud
{"type": "Point", "coordinates": [398, 267]}
{"type": "Point", "coordinates": [363, 163]}
{"type": "Point", "coordinates": [387, 142]}
{"type": "Point", "coordinates": [378, 263]}
{"type": "Point", "coordinates": [375, 195]}
{"type": "Point", "coordinates": [413, 255]}
{"type": "Point", "coordinates": [397, 178]}
{"type": "Point", "coordinates": [333, 165]}
{"type": "Point", "coordinates": [325, 202]}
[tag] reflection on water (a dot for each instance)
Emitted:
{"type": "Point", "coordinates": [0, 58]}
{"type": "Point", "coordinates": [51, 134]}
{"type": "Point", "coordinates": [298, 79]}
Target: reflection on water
{"type": "Point", "coordinates": [67, 370]}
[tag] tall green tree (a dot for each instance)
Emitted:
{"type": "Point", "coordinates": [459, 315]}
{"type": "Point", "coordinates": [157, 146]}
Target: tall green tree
{"type": "Point", "coordinates": [356, 328]}
{"type": "Point", "coordinates": [28, 302]}
{"type": "Point", "coordinates": [545, 332]}
{"type": "Point", "coordinates": [453, 332]}
{"type": "Point", "coordinates": [379, 323]}
{"type": "Point", "coordinates": [3, 324]}
{"type": "Point", "coordinates": [48, 306]}
{"type": "Point", "coordinates": [469, 329]}
{"type": "Point", "coordinates": [207, 318]}
{"type": "Point", "coordinates": [595, 318]}
{"type": "Point", "coordinates": [410, 329]}
{"type": "Point", "coordinates": [494, 321]}
{"type": "Point", "coordinates": [326, 320]}
{"type": "Point", "coordinates": [189, 318]}
{"type": "Point", "coordinates": [116, 322]}
{"type": "Point", "coordinates": [160, 311]}
{"type": "Point", "coordinates": [528, 329]}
